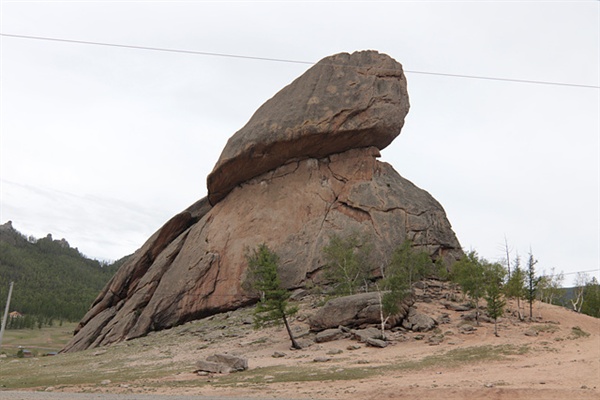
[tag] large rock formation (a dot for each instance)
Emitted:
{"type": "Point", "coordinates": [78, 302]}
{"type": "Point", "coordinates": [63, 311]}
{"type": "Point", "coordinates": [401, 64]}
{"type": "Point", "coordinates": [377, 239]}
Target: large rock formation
{"type": "Point", "coordinates": [344, 102]}
{"type": "Point", "coordinates": [310, 183]}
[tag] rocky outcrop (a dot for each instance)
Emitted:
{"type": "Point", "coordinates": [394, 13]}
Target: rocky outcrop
{"type": "Point", "coordinates": [418, 322]}
{"type": "Point", "coordinates": [222, 364]}
{"type": "Point", "coordinates": [195, 265]}
{"type": "Point", "coordinates": [354, 311]}
{"type": "Point", "coordinates": [344, 102]}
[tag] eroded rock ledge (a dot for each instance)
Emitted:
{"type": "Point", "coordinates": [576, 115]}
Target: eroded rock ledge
{"type": "Point", "coordinates": [343, 102]}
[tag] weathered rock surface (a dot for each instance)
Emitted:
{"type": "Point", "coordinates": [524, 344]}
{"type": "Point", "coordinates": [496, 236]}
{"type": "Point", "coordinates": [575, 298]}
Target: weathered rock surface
{"type": "Point", "coordinates": [343, 102]}
{"type": "Point", "coordinates": [222, 364]}
{"type": "Point", "coordinates": [363, 335]}
{"type": "Point", "coordinates": [376, 342]}
{"type": "Point", "coordinates": [195, 266]}
{"type": "Point", "coordinates": [329, 335]}
{"type": "Point", "coordinates": [418, 322]}
{"type": "Point", "coordinates": [355, 310]}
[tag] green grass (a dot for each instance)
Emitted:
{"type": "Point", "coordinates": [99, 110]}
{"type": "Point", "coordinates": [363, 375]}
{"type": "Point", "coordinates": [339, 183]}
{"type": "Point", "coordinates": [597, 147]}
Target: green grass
{"type": "Point", "coordinates": [39, 341]}
{"type": "Point", "coordinates": [577, 332]}
{"type": "Point", "coordinates": [457, 357]}
{"type": "Point", "coordinates": [548, 328]}
{"type": "Point", "coordinates": [84, 368]}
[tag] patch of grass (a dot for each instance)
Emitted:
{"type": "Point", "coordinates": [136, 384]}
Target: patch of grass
{"type": "Point", "coordinates": [300, 374]}
{"type": "Point", "coordinates": [467, 355]}
{"type": "Point", "coordinates": [548, 328]}
{"type": "Point", "coordinates": [82, 368]}
{"type": "Point", "coordinates": [577, 333]}
{"type": "Point", "coordinates": [40, 341]}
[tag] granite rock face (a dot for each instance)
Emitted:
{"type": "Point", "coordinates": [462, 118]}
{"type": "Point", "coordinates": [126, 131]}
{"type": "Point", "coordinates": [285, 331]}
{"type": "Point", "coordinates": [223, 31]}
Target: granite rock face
{"type": "Point", "coordinates": [343, 102]}
{"type": "Point", "coordinates": [195, 265]}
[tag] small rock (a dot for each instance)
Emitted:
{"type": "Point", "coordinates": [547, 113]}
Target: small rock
{"type": "Point", "coordinates": [335, 351]}
{"type": "Point", "coordinates": [105, 382]}
{"type": "Point", "coordinates": [49, 389]}
{"type": "Point", "coordinates": [353, 347]}
{"type": "Point", "coordinates": [435, 340]}
{"type": "Point", "coordinates": [363, 335]}
{"type": "Point", "coordinates": [456, 307]}
{"type": "Point", "coordinates": [376, 342]}
{"type": "Point", "coordinates": [466, 329]}
{"type": "Point", "coordinates": [419, 337]}
{"type": "Point", "coordinates": [99, 352]}
{"type": "Point", "coordinates": [322, 359]}
{"type": "Point", "coordinates": [222, 364]}
{"type": "Point", "coordinates": [530, 332]}
{"type": "Point", "coordinates": [278, 354]}
{"type": "Point", "coordinates": [329, 335]}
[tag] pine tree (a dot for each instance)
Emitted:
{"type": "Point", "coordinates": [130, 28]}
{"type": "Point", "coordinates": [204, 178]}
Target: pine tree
{"type": "Point", "coordinates": [515, 286]}
{"type": "Point", "coordinates": [494, 276]}
{"type": "Point", "coordinates": [264, 278]}
{"type": "Point", "coordinates": [531, 283]}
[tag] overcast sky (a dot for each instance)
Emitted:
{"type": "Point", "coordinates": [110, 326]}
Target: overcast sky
{"type": "Point", "coordinates": [101, 145]}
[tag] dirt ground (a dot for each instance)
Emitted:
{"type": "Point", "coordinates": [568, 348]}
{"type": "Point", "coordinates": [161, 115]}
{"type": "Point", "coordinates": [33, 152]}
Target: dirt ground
{"type": "Point", "coordinates": [551, 369]}
{"type": "Point", "coordinates": [552, 361]}
{"type": "Point", "coordinates": [556, 364]}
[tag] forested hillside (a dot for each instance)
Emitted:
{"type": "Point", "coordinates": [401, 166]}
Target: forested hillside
{"type": "Point", "coordinates": [52, 281]}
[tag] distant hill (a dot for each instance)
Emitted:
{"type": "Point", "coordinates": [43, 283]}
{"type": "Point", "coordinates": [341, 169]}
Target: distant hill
{"type": "Point", "coordinates": [53, 281]}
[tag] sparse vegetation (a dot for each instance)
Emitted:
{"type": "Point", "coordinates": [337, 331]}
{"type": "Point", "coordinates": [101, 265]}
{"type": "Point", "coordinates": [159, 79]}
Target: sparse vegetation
{"type": "Point", "coordinates": [577, 332]}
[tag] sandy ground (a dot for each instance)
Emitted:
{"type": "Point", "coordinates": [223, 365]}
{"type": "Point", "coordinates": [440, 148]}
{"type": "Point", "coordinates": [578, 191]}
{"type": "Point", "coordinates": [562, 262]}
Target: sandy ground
{"type": "Point", "coordinates": [555, 364]}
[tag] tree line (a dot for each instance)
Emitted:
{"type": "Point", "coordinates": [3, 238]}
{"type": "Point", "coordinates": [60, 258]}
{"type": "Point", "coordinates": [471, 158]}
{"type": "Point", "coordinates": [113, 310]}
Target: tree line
{"type": "Point", "coordinates": [53, 282]}
{"type": "Point", "coordinates": [350, 269]}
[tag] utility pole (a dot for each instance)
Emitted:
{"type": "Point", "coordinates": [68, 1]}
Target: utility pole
{"type": "Point", "coordinates": [6, 313]}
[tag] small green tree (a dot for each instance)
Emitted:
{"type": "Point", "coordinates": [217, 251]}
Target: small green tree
{"type": "Point", "coordinates": [591, 306]}
{"type": "Point", "coordinates": [550, 287]}
{"type": "Point", "coordinates": [581, 282]}
{"type": "Point", "coordinates": [468, 272]}
{"type": "Point", "coordinates": [531, 283]}
{"type": "Point", "coordinates": [392, 289]}
{"type": "Point", "coordinates": [515, 286]}
{"type": "Point", "coordinates": [408, 264]}
{"type": "Point", "coordinates": [494, 275]}
{"type": "Point", "coordinates": [347, 263]}
{"type": "Point", "coordinates": [406, 267]}
{"type": "Point", "coordinates": [264, 278]}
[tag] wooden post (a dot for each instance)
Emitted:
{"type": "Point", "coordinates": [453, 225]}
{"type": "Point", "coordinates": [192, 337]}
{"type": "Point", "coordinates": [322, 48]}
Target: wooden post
{"type": "Point", "coordinates": [6, 313]}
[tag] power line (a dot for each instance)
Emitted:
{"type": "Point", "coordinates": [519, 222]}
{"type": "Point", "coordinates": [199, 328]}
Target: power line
{"type": "Point", "coordinates": [283, 60]}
